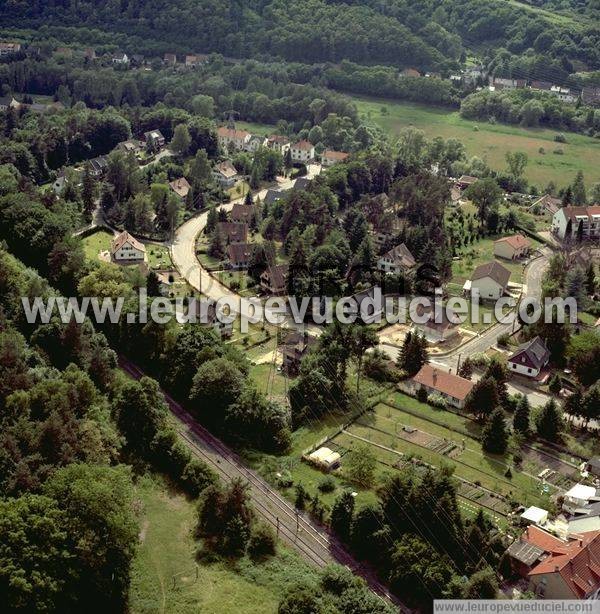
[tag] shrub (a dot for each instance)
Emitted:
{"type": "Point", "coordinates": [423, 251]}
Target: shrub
{"type": "Point", "coordinates": [558, 151]}
{"type": "Point", "coordinates": [285, 480]}
{"type": "Point", "coordinates": [503, 340]}
{"type": "Point", "coordinates": [560, 138]}
{"type": "Point", "coordinates": [327, 484]}
{"type": "Point", "coordinates": [422, 395]}
{"type": "Point", "coordinates": [541, 150]}
{"type": "Point", "coordinates": [262, 543]}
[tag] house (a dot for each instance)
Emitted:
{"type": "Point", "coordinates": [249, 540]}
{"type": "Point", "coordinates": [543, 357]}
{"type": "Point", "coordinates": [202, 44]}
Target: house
{"type": "Point", "coordinates": [571, 222]}
{"type": "Point", "coordinates": [273, 279]}
{"type": "Point", "coordinates": [410, 72]}
{"type": "Point", "coordinates": [195, 60]}
{"type": "Point", "coordinates": [225, 174]}
{"type": "Point", "coordinates": [98, 166]}
{"type": "Point", "coordinates": [331, 157]}
{"type": "Point", "coordinates": [302, 152]}
{"type": "Point", "coordinates": [60, 182]}
{"type": "Point", "coordinates": [254, 143]}
{"type": "Point", "coordinates": [385, 230]}
{"type": "Point", "coordinates": [9, 48]}
{"type": "Point", "coordinates": [452, 388]}
{"type": "Point", "coordinates": [126, 248]}
{"type": "Point", "coordinates": [593, 466]}
{"type": "Point", "coordinates": [582, 519]}
{"type": "Point", "coordinates": [273, 195]}
{"type": "Point", "coordinates": [558, 568]}
{"type": "Point", "coordinates": [543, 86]}
{"type": "Point", "coordinates": [488, 280]}
{"type": "Point", "coordinates": [239, 255]}
{"type": "Point", "coordinates": [564, 94]}
{"type": "Point", "coordinates": [534, 515]}
{"type": "Point", "coordinates": [242, 213]}
{"type": "Point", "coordinates": [500, 83]}
{"type": "Point", "coordinates": [170, 59]}
{"type": "Point", "coordinates": [154, 140]}
{"type": "Point", "coordinates": [130, 146]}
{"type": "Point", "coordinates": [120, 58]}
{"type": "Point", "coordinates": [205, 312]}
{"type": "Point", "coordinates": [397, 260]}
{"type": "Point", "coordinates": [440, 328]}
{"type": "Point", "coordinates": [368, 305]}
{"type": "Point", "coordinates": [512, 248]}
{"type": "Point", "coordinates": [547, 203]}
{"type": "Point", "coordinates": [464, 181]}
{"type": "Point", "coordinates": [301, 183]}
{"type": "Point", "coordinates": [591, 95]}
{"type": "Point", "coordinates": [181, 187]}
{"type": "Point", "coordinates": [229, 136]}
{"type": "Point", "coordinates": [326, 459]}
{"type": "Point", "coordinates": [293, 349]}
{"type": "Point", "coordinates": [9, 102]}
{"type": "Point", "coordinates": [233, 232]}
{"type": "Point", "coordinates": [580, 495]}
{"type": "Point", "coordinates": [530, 358]}
{"type": "Point", "coordinates": [278, 143]}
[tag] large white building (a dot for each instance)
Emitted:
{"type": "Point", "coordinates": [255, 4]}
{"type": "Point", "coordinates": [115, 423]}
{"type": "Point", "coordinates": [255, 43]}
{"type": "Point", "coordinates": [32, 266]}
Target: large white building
{"type": "Point", "coordinates": [571, 222]}
{"type": "Point", "coordinates": [302, 151]}
{"type": "Point", "coordinates": [231, 136]}
{"type": "Point", "coordinates": [126, 248]}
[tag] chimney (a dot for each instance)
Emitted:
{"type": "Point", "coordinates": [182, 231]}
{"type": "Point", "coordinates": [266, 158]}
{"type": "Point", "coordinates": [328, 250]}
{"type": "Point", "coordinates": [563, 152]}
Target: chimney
{"type": "Point", "coordinates": [556, 568]}
{"type": "Point", "coordinates": [581, 543]}
{"type": "Point", "coordinates": [435, 375]}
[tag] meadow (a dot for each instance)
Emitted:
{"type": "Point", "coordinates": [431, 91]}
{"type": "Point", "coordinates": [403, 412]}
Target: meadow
{"type": "Point", "coordinates": [491, 142]}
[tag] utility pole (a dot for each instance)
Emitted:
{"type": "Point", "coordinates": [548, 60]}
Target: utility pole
{"type": "Point", "coordinates": [277, 527]}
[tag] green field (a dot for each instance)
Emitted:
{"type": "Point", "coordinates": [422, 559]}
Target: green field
{"type": "Point", "coordinates": [262, 129]}
{"type": "Point", "coordinates": [158, 256]}
{"type": "Point", "coordinates": [492, 141]}
{"type": "Point", "coordinates": [164, 569]}
{"type": "Point", "coordinates": [95, 243]}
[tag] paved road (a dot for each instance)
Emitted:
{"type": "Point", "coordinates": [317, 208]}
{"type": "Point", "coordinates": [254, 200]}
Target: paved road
{"type": "Point", "coordinates": [314, 542]}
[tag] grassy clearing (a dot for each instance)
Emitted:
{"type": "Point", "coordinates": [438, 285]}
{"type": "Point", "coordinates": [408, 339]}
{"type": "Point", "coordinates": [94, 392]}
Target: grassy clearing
{"type": "Point", "coordinates": [167, 550]}
{"type": "Point", "coordinates": [491, 141]}
{"type": "Point", "coordinates": [262, 129]}
{"type": "Point", "coordinates": [158, 256]}
{"type": "Point", "coordinates": [95, 243]}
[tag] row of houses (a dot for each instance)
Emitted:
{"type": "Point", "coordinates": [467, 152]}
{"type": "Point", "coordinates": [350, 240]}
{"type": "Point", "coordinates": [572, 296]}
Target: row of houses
{"type": "Point", "coordinates": [10, 102]}
{"type": "Point", "coordinates": [562, 93]}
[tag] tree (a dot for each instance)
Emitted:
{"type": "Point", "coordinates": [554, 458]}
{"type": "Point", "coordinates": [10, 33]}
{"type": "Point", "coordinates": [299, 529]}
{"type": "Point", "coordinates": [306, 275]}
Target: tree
{"type": "Point", "coordinates": [413, 353]}
{"type": "Point", "coordinates": [361, 338]}
{"type": "Point", "coordinates": [483, 398]}
{"type": "Point", "coordinates": [578, 190]}
{"type": "Point", "coordinates": [153, 284]}
{"type": "Point", "coordinates": [590, 279]}
{"type": "Point", "coordinates": [263, 542]}
{"type": "Point", "coordinates": [486, 194]}
{"type": "Point", "coordinates": [301, 599]}
{"type": "Point", "coordinates": [494, 438]}
{"type": "Point", "coordinates": [555, 384]}
{"type": "Point", "coordinates": [360, 464]}
{"type": "Point", "coordinates": [216, 249]}
{"type": "Point", "coordinates": [341, 514]}
{"type": "Point", "coordinates": [521, 419]}
{"type": "Point", "coordinates": [482, 585]}
{"type": "Point", "coordinates": [549, 422]}
{"type": "Point", "coordinates": [200, 170]}
{"type": "Point", "coordinates": [180, 144]}
{"type": "Point", "coordinates": [498, 372]}
{"type": "Point", "coordinates": [88, 190]}
{"type": "Point", "coordinates": [517, 161]}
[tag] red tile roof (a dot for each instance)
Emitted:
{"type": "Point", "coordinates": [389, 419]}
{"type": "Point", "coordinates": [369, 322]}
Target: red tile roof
{"type": "Point", "coordinates": [515, 241]}
{"type": "Point", "coordinates": [446, 383]}
{"type": "Point", "coordinates": [335, 155]}
{"type": "Point", "coordinates": [576, 560]}
{"type": "Point", "coordinates": [302, 145]}
{"type": "Point", "coordinates": [574, 212]}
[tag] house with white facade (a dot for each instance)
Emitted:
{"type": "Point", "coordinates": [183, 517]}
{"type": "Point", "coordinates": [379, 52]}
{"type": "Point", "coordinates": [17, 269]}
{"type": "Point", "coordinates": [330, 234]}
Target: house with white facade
{"type": "Point", "coordinates": [278, 143]}
{"type": "Point", "coordinates": [530, 358]}
{"type": "Point", "coordinates": [489, 281]}
{"type": "Point", "coordinates": [512, 248]}
{"type": "Point", "coordinates": [571, 222]}
{"type": "Point", "coordinates": [125, 249]}
{"type": "Point", "coordinates": [331, 157]}
{"type": "Point", "coordinates": [302, 152]}
{"type": "Point", "coordinates": [397, 260]}
{"type": "Point", "coordinates": [230, 136]}
{"type": "Point", "coordinates": [254, 143]}
{"type": "Point", "coordinates": [452, 388]}
{"type": "Point", "coordinates": [225, 174]}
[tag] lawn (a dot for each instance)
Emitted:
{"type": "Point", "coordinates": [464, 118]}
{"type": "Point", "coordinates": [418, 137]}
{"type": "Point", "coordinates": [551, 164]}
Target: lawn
{"type": "Point", "coordinates": [491, 141]}
{"type": "Point", "coordinates": [95, 243]}
{"type": "Point", "coordinates": [261, 129]}
{"type": "Point", "coordinates": [167, 579]}
{"type": "Point", "coordinates": [158, 256]}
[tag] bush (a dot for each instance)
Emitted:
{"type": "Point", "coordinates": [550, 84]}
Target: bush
{"type": "Point", "coordinates": [262, 543]}
{"type": "Point", "coordinates": [437, 400]}
{"type": "Point", "coordinates": [558, 151]}
{"type": "Point", "coordinates": [541, 150]}
{"type": "Point", "coordinates": [560, 138]}
{"type": "Point", "coordinates": [196, 476]}
{"type": "Point", "coordinates": [503, 340]}
{"type": "Point", "coordinates": [327, 484]}
{"type": "Point", "coordinates": [422, 395]}
{"type": "Point", "coordinates": [285, 480]}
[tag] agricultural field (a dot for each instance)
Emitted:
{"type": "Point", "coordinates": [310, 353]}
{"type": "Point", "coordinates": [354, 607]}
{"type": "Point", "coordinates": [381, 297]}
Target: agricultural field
{"type": "Point", "coordinates": [491, 141]}
{"type": "Point", "coordinates": [167, 575]}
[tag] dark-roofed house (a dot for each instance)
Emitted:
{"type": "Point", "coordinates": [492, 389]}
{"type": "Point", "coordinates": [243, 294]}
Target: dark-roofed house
{"type": "Point", "coordinates": [238, 255]}
{"type": "Point", "coordinates": [233, 232]}
{"type": "Point", "coordinates": [294, 346]}
{"type": "Point", "coordinates": [512, 248]}
{"type": "Point", "coordinates": [170, 59]}
{"type": "Point", "coordinates": [530, 358]}
{"type": "Point", "coordinates": [130, 146]}
{"type": "Point", "coordinates": [464, 181]}
{"type": "Point", "coordinates": [441, 327]}
{"type": "Point", "coordinates": [255, 142]}
{"type": "Point", "coordinates": [9, 102]}
{"type": "Point", "coordinates": [367, 304]}
{"type": "Point", "coordinates": [452, 388]}
{"type": "Point", "coordinates": [273, 279]}
{"type": "Point", "coordinates": [569, 222]}
{"type": "Point", "coordinates": [242, 213]}
{"type": "Point", "coordinates": [154, 140]}
{"type": "Point", "coordinates": [547, 203]}
{"type": "Point", "coordinates": [274, 195]}
{"type": "Point", "coordinates": [397, 260]}
{"type": "Point", "coordinates": [559, 568]}
{"type": "Point", "coordinates": [593, 466]}
{"type": "Point", "coordinates": [301, 183]}
{"type": "Point", "coordinates": [98, 166]}
{"type": "Point", "coordinates": [489, 281]}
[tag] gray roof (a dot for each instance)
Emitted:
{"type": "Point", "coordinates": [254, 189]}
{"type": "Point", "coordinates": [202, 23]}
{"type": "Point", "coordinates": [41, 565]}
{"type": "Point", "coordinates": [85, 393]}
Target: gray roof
{"type": "Point", "coordinates": [536, 351]}
{"type": "Point", "coordinates": [273, 195]}
{"type": "Point", "coordinates": [493, 270]}
{"type": "Point", "coordinates": [525, 552]}
{"type": "Point", "coordinates": [301, 183]}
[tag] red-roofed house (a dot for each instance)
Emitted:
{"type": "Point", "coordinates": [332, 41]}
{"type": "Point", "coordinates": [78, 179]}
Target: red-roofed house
{"type": "Point", "coordinates": [126, 248]}
{"type": "Point", "coordinates": [568, 222]}
{"type": "Point", "coordinates": [559, 569]}
{"type": "Point", "coordinates": [452, 388]}
{"type": "Point", "coordinates": [230, 136]}
{"type": "Point", "coordinates": [331, 157]}
{"type": "Point", "coordinates": [302, 151]}
{"type": "Point", "coordinates": [512, 248]}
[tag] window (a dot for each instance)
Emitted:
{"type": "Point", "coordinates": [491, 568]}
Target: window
{"type": "Point", "coordinates": [528, 370]}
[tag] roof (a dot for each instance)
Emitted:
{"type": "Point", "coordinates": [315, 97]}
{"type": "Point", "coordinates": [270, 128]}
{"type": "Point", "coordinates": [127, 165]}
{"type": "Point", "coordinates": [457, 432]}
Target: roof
{"type": "Point", "coordinates": [301, 183]}
{"type": "Point", "coordinates": [99, 164]}
{"type": "Point", "coordinates": [242, 212]}
{"type": "Point", "coordinates": [493, 270]}
{"type": "Point", "coordinates": [594, 463]}
{"type": "Point", "coordinates": [577, 560]}
{"type": "Point", "coordinates": [535, 350]}
{"type": "Point", "coordinates": [534, 514]}
{"type": "Point", "coordinates": [551, 203]}
{"type": "Point", "coordinates": [232, 133]}
{"type": "Point", "coordinates": [446, 383]}
{"type": "Point", "coordinates": [515, 241]}
{"type": "Point", "coordinates": [273, 195]}
{"type": "Point", "coordinates": [123, 238]}
{"type": "Point", "coordinates": [467, 179]}
{"type": "Point", "coordinates": [449, 318]}
{"type": "Point", "coordinates": [411, 72]}
{"type": "Point", "coordinates": [525, 552]}
{"type": "Point", "coordinates": [401, 256]}
{"type": "Point", "coordinates": [335, 155]}
{"type": "Point", "coordinates": [325, 456]}
{"type": "Point", "coordinates": [180, 186]}
{"type": "Point", "coordinates": [234, 232]}
{"type": "Point", "coordinates": [277, 138]}
{"type": "Point", "coordinates": [275, 275]}
{"type": "Point", "coordinates": [573, 213]}
{"type": "Point", "coordinates": [226, 169]}
{"type": "Point", "coordinates": [239, 252]}
{"type": "Point", "coordinates": [305, 145]}
{"type": "Point", "coordinates": [581, 491]}
{"type": "Point", "coordinates": [153, 134]}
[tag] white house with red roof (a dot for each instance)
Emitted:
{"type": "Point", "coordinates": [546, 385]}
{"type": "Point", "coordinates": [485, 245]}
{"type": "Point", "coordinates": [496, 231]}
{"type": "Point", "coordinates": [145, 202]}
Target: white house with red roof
{"type": "Point", "coordinates": [571, 222]}
{"type": "Point", "coordinates": [331, 157]}
{"type": "Point", "coordinates": [512, 248]}
{"type": "Point", "coordinates": [231, 136]}
{"type": "Point", "coordinates": [126, 248]}
{"type": "Point", "coordinates": [452, 388]}
{"type": "Point", "coordinates": [557, 568]}
{"type": "Point", "coordinates": [530, 358]}
{"type": "Point", "coordinates": [302, 151]}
